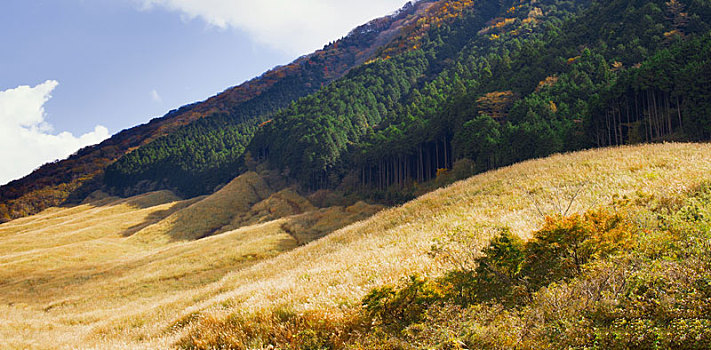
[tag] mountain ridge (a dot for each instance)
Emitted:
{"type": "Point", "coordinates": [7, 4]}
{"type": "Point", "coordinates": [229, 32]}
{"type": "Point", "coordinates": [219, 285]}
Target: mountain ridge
{"type": "Point", "coordinates": [461, 87]}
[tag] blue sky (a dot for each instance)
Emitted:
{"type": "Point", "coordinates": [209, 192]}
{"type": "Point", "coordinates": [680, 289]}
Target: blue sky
{"type": "Point", "coordinates": [72, 72]}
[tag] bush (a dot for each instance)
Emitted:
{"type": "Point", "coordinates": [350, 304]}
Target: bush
{"type": "Point", "coordinates": [400, 307]}
{"type": "Point", "coordinates": [565, 244]}
{"type": "Point", "coordinates": [280, 329]}
{"type": "Point", "coordinates": [510, 269]}
{"type": "Point", "coordinates": [497, 276]}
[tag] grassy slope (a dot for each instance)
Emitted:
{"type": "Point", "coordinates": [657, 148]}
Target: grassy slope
{"type": "Point", "coordinates": [209, 215]}
{"type": "Point", "coordinates": [69, 276]}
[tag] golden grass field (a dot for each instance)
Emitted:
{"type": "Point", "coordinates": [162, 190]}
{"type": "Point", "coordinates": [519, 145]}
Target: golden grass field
{"type": "Point", "coordinates": [128, 273]}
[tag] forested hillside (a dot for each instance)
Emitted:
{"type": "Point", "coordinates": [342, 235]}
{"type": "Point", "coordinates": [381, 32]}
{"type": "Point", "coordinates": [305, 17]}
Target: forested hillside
{"type": "Point", "coordinates": [538, 78]}
{"type": "Point", "coordinates": [469, 87]}
{"type": "Point", "coordinates": [439, 91]}
{"type": "Point", "coordinates": [194, 151]}
{"type": "Point", "coordinates": [210, 152]}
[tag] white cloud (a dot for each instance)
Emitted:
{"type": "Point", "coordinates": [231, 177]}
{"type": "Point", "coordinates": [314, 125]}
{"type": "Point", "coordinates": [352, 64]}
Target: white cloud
{"type": "Point", "coordinates": [295, 26]}
{"type": "Point", "coordinates": [155, 96]}
{"type": "Point", "coordinates": [26, 139]}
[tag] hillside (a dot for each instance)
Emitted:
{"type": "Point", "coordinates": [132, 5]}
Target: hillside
{"type": "Point", "coordinates": [81, 276]}
{"type": "Point", "coordinates": [111, 256]}
{"type": "Point", "coordinates": [210, 152]}
{"type": "Point", "coordinates": [504, 82]}
{"type": "Point", "coordinates": [240, 108]}
{"type": "Point", "coordinates": [471, 86]}
{"type": "Point", "coordinates": [442, 87]}
{"type": "Point", "coordinates": [544, 163]}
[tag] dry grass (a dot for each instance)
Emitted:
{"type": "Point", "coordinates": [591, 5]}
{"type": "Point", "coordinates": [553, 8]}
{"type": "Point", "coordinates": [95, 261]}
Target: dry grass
{"type": "Point", "coordinates": [318, 223]}
{"type": "Point", "coordinates": [281, 204]}
{"type": "Point", "coordinates": [71, 279]}
{"type": "Point", "coordinates": [207, 216]}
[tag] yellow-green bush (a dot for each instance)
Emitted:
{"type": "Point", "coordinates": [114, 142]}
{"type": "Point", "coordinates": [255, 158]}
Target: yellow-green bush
{"type": "Point", "coordinates": [602, 280]}
{"type": "Point", "coordinates": [399, 307]}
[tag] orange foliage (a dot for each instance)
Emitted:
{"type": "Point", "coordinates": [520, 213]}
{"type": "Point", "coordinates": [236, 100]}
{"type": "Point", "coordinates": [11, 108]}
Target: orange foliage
{"type": "Point", "coordinates": [435, 14]}
{"type": "Point", "coordinates": [549, 81]}
{"type": "Point", "coordinates": [442, 172]}
{"type": "Point", "coordinates": [535, 13]}
{"type": "Point", "coordinates": [553, 106]}
{"type": "Point", "coordinates": [496, 104]}
{"type": "Point", "coordinates": [497, 24]}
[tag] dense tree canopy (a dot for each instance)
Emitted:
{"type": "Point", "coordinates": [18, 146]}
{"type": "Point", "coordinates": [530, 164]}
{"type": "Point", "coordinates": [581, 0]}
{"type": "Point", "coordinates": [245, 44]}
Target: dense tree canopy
{"type": "Point", "coordinates": [497, 83]}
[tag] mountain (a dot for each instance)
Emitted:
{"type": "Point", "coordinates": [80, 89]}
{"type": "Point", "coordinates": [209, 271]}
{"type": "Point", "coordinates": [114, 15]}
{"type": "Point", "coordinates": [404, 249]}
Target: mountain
{"type": "Point", "coordinates": [442, 87]}
{"type": "Point", "coordinates": [209, 153]}
{"type": "Point", "coordinates": [504, 82]}
{"type": "Point", "coordinates": [469, 87]}
{"type": "Point", "coordinates": [246, 105]}
{"type": "Point", "coordinates": [532, 146]}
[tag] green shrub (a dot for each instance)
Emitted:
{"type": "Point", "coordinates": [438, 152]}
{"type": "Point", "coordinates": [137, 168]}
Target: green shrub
{"type": "Point", "coordinates": [399, 307]}
{"type": "Point", "coordinates": [496, 277]}
{"type": "Point", "coordinates": [510, 270]}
